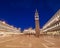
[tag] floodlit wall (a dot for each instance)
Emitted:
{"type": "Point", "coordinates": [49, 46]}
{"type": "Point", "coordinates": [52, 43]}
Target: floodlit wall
{"type": "Point", "coordinates": [6, 29]}
{"type": "Point", "coordinates": [53, 24]}
{"type": "Point", "coordinates": [29, 31]}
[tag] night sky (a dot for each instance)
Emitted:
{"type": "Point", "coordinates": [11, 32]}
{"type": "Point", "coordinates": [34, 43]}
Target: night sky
{"type": "Point", "coordinates": [20, 13]}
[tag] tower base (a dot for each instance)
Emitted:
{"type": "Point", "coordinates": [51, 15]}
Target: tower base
{"type": "Point", "coordinates": [37, 35]}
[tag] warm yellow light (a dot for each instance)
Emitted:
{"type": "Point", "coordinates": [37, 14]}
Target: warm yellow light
{"type": "Point", "coordinates": [4, 22]}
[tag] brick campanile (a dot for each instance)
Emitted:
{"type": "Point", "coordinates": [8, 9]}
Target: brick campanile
{"type": "Point", "coordinates": [37, 27]}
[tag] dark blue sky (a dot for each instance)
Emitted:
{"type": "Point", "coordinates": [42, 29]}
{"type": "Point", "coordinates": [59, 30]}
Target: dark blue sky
{"type": "Point", "coordinates": [20, 13]}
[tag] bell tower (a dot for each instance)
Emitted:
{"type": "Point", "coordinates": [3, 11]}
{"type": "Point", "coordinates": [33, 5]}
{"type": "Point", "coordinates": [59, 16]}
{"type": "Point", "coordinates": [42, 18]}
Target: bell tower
{"type": "Point", "coordinates": [37, 27]}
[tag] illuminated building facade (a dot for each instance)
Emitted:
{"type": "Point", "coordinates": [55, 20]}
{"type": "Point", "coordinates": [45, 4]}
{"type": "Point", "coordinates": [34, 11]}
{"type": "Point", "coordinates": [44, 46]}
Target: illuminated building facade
{"type": "Point", "coordinates": [53, 25]}
{"type": "Point", "coordinates": [29, 31]}
{"type": "Point", "coordinates": [8, 29]}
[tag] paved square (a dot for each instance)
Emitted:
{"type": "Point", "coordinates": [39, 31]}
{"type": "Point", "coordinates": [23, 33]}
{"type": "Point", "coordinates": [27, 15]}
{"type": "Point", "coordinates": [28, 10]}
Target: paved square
{"type": "Point", "coordinates": [26, 41]}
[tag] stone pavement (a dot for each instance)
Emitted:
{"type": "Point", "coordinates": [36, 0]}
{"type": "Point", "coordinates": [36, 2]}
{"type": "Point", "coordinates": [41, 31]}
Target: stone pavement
{"type": "Point", "coordinates": [26, 41]}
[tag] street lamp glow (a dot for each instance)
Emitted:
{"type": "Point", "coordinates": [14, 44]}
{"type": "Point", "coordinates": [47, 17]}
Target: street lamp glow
{"type": "Point", "coordinates": [4, 22]}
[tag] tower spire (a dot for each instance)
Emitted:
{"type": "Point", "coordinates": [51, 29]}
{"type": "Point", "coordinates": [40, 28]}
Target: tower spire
{"type": "Point", "coordinates": [36, 10]}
